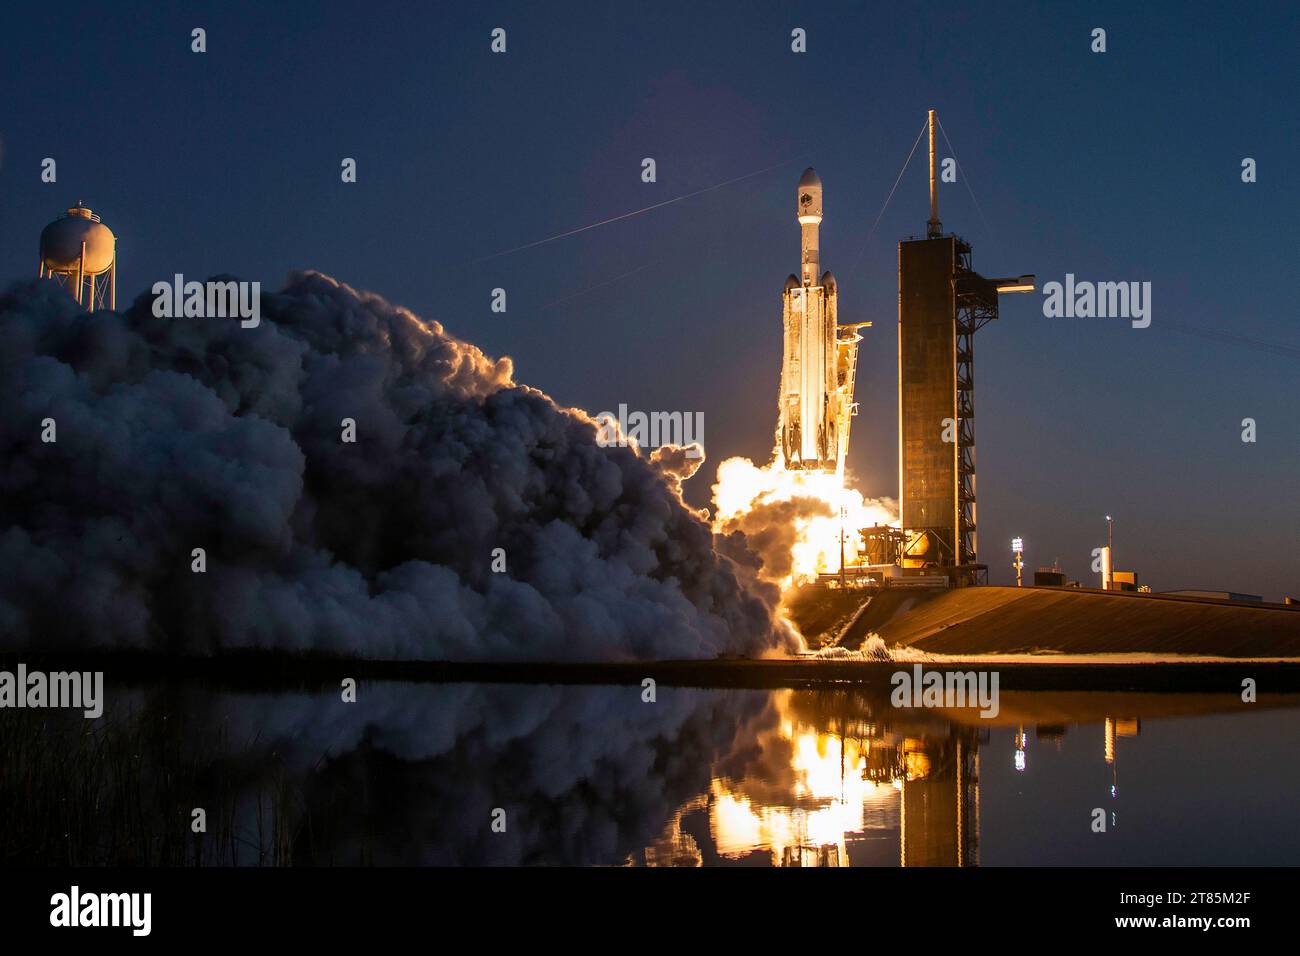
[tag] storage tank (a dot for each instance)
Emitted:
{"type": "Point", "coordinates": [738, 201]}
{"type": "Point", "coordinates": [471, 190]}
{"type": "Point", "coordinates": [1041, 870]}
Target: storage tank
{"type": "Point", "coordinates": [80, 252]}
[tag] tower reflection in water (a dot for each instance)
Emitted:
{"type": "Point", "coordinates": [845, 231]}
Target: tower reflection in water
{"type": "Point", "coordinates": [844, 779]}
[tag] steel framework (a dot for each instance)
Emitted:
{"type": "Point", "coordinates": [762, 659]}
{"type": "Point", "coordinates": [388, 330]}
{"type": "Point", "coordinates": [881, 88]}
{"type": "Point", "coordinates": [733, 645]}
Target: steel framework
{"type": "Point", "coordinates": [975, 301]}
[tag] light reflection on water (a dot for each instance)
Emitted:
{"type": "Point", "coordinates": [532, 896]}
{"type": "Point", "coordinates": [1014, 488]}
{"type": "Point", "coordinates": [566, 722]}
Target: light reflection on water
{"type": "Point", "coordinates": [837, 781]}
{"type": "Point", "coordinates": [843, 779]}
{"type": "Point", "coordinates": [411, 773]}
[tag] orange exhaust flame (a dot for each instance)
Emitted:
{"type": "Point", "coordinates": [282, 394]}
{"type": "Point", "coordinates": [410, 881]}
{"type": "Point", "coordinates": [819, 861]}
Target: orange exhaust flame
{"type": "Point", "coordinates": [794, 519]}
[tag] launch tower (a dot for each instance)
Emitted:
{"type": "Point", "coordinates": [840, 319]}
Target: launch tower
{"type": "Point", "coordinates": [942, 303]}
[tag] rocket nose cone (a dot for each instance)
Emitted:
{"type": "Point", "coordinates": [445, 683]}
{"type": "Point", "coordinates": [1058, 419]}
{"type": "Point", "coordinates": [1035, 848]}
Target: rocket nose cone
{"type": "Point", "coordinates": [810, 178]}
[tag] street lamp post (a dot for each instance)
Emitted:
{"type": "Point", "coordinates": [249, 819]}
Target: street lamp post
{"type": "Point", "coordinates": [1110, 550]}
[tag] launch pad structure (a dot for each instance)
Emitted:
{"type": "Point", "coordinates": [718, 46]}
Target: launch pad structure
{"type": "Point", "coordinates": [942, 303]}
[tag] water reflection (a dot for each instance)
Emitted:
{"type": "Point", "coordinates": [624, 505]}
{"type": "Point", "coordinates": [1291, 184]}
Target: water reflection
{"type": "Point", "coordinates": [840, 779]}
{"type": "Point", "coordinates": [844, 779]}
{"type": "Point", "coordinates": [411, 775]}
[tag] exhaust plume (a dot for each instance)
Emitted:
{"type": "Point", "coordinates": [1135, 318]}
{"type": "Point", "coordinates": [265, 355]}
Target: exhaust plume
{"type": "Point", "coordinates": [179, 434]}
{"type": "Point", "coordinates": [794, 521]}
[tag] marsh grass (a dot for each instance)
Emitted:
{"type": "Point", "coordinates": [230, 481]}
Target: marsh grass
{"type": "Point", "coordinates": [120, 791]}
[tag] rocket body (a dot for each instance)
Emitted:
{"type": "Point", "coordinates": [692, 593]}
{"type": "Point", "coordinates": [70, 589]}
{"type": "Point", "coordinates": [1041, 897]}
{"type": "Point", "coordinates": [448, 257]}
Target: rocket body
{"type": "Point", "coordinates": [817, 369]}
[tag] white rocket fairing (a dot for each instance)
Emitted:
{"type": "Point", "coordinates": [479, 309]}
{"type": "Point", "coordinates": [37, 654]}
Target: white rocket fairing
{"type": "Point", "coordinates": [816, 401]}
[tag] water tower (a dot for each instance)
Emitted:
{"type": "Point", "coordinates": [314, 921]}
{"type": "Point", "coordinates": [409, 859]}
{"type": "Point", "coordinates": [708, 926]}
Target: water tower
{"type": "Point", "coordinates": [80, 252]}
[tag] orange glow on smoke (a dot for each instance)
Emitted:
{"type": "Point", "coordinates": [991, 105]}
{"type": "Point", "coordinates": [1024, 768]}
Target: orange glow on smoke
{"type": "Point", "coordinates": [742, 486]}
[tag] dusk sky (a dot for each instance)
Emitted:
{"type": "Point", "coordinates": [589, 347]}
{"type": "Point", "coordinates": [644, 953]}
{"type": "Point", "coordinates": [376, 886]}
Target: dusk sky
{"type": "Point", "coordinates": [1121, 166]}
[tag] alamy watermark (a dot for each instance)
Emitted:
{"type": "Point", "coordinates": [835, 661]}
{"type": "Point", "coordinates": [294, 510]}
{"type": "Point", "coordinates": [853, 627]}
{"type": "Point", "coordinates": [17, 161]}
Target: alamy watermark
{"type": "Point", "coordinates": [651, 430]}
{"type": "Point", "coordinates": [75, 689]}
{"type": "Point", "coordinates": [951, 689]}
{"type": "Point", "coordinates": [1102, 300]}
{"type": "Point", "coordinates": [208, 300]}
{"type": "Point", "coordinates": [130, 910]}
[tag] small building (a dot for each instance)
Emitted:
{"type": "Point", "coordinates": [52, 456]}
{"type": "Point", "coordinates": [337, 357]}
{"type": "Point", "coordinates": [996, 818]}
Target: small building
{"type": "Point", "coordinates": [1049, 578]}
{"type": "Point", "coordinates": [1123, 580]}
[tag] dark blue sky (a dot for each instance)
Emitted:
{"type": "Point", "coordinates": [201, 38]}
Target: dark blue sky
{"type": "Point", "coordinates": [1115, 166]}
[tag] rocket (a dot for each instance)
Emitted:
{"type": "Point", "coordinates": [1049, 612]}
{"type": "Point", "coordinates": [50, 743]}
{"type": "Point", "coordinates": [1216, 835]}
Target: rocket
{"type": "Point", "coordinates": [820, 356]}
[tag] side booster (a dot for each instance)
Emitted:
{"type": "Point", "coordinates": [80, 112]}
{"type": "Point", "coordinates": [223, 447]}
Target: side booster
{"type": "Point", "coordinates": [820, 358]}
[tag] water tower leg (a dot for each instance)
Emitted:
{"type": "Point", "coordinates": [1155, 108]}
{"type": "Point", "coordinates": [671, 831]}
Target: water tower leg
{"type": "Point", "coordinates": [112, 284]}
{"type": "Point", "coordinates": [81, 272]}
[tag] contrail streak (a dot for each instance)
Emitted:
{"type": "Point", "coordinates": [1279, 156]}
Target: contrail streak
{"type": "Point", "coordinates": [1232, 338]}
{"type": "Point", "coordinates": [637, 212]}
{"type": "Point", "coordinates": [589, 289]}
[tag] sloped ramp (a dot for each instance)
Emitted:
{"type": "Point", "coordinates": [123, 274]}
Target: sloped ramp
{"type": "Point", "coordinates": [999, 620]}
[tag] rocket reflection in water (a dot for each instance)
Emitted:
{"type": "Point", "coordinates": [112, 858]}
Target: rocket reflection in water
{"type": "Point", "coordinates": [841, 779]}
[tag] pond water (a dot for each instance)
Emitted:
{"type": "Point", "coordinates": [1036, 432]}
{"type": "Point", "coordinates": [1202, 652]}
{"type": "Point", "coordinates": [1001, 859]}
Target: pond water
{"type": "Point", "coordinates": [488, 774]}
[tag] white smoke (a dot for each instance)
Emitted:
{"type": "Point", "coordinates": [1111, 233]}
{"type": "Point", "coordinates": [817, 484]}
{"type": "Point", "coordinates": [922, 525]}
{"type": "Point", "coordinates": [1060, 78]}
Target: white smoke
{"type": "Point", "coordinates": [176, 434]}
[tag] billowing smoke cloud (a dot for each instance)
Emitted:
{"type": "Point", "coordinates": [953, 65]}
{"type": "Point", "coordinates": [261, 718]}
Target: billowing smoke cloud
{"type": "Point", "coordinates": [771, 529]}
{"type": "Point", "coordinates": [177, 434]}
